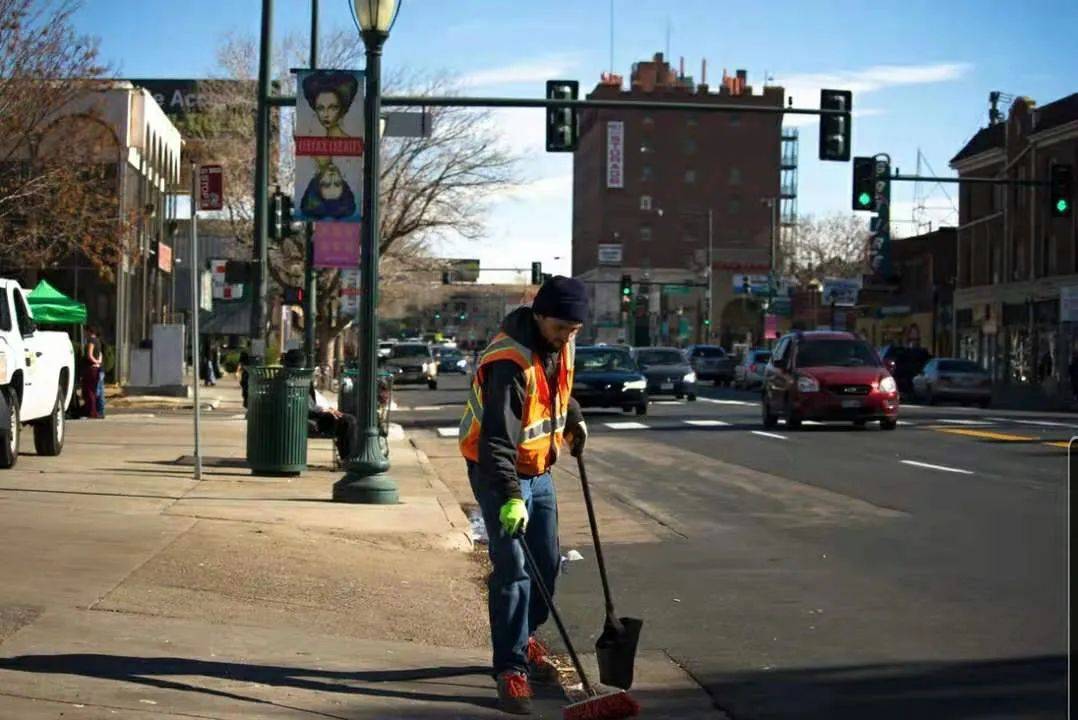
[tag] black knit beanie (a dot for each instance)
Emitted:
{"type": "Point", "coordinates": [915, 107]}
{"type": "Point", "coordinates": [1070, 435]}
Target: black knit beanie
{"type": "Point", "coordinates": [563, 298]}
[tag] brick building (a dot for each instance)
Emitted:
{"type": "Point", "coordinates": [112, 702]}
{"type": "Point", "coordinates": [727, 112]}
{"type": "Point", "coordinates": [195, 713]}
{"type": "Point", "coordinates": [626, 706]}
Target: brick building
{"type": "Point", "coordinates": [1017, 265]}
{"type": "Point", "coordinates": [644, 182]}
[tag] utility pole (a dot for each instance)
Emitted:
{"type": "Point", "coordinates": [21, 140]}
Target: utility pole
{"type": "Point", "coordinates": [262, 132]}
{"type": "Point", "coordinates": [310, 284]}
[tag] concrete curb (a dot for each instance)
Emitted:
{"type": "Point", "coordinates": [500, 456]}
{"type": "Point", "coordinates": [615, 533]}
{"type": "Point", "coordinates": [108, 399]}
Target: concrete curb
{"type": "Point", "coordinates": [452, 509]}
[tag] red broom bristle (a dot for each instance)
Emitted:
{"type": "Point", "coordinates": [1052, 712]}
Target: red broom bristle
{"type": "Point", "coordinates": [603, 707]}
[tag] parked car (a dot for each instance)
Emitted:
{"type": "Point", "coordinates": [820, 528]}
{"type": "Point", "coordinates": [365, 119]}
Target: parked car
{"type": "Point", "coordinates": [909, 362]}
{"type": "Point", "coordinates": [385, 347]}
{"type": "Point", "coordinates": [37, 378]}
{"type": "Point", "coordinates": [667, 372]}
{"type": "Point", "coordinates": [953, 379]}
{"type": "Point", "coordinates": [452, 360]}
{"type": "Point", "coordinates": [711, 362]}
{"type": "Point", "coordinates": [750, 371]}
{"type": "Point", "coordinates": [609, 377]}
{"type": "Point", "coordinates": [828, 376]}
{"type": "Point", "coordinates": [416, 364]}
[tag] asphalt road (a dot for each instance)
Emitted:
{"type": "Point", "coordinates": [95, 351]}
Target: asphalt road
{"type": "Point", "coordinates": [832, 572]}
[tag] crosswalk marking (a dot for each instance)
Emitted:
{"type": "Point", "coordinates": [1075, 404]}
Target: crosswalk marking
{"type": "Point", "coordinates": [725, 402]}
{"type": "Point", "coordinates": [448, 432]}
{"type": "Point", "coordinates": [626, 426]}
{"type": "Point", "coordinates": [956, 421]}
{"type": "Point", "coordinates": [944, 468]}
{"type": "Point", "coordinates": [706, 423]}
{"type": "Point", "coordinates": [770, 435]}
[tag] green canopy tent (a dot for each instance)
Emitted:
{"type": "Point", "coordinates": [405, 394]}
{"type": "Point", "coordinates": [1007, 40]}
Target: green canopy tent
{"type": "Point", "coordinates": [52, 307]}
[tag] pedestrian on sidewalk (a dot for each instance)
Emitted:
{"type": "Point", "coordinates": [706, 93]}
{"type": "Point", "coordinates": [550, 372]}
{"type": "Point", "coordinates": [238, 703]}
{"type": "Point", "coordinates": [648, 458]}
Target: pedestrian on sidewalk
{"type": "Point", "coordinates": [92, 375]}
{"type": "Point", "coordinates": [518, 414]}
{"type": "Point", "coordinates": [209, 368]}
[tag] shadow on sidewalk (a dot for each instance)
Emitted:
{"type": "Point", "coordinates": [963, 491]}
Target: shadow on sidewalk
{"type": "Point", "coordinates": [153, 671]}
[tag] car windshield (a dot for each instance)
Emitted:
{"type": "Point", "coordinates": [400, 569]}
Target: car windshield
{"type": "Point", "coordinates": [708, 352]}
{"type": "Point", "coordinates": [451, 355]}
{"type": "Point", "coordinates": [838, 353]}
{"type": "Point", "coordinates": [960, 366]}
{"type": "Point", "coordinates": [660, 357]}
{"type": "Point", "coordinates": [409, 351]}
{"type": "Point", "coordinates": [603, 360]}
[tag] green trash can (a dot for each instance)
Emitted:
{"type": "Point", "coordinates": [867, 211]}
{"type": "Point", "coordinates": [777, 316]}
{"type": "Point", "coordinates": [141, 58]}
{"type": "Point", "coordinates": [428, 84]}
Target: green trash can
{"type": "Point", "coordinates": [277, 420]}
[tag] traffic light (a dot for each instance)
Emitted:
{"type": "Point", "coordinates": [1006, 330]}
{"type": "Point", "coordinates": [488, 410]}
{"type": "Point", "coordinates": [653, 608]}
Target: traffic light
{"type": "Point", "coordinates": [537, 273]}
{"type": "Point", "coordinates": [835, 127]}
{"type": "Point", "coordinates": [626, 290]}
{"type": "Point", "coordinates": [561, 122]}
{"type": "Point", "coordinates": [293, 296]}
{"type": "Point", "coordinates": [864, 183]}
{"type": "Point", "coordinates": [1061, 190]}
{"type": "Point", "coordinates": [280, 220]}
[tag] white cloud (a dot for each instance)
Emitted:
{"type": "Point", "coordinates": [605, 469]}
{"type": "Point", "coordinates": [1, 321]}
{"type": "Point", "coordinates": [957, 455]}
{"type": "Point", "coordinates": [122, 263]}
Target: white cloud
{"type": "Point", "coordinates": [803, 120]}
{"type": "Point", "coordinates": [804, 87]}
{"type": "Point", "coordinates": [552, 187]}
{"type": "Point", "coordinates": [522, 129]}
{"type": "Point", "coordinates": [537, 70]}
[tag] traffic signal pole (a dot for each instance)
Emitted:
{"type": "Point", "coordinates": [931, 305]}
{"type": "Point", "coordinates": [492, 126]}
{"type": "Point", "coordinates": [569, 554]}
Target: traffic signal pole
{"type": "Point", "coordinates": [261, 189]}
{"type": "Point", "coordinates": [310, 286]}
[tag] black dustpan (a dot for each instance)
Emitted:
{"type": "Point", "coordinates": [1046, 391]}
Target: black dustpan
{"type": "Point", "coordinates": [615, 649]}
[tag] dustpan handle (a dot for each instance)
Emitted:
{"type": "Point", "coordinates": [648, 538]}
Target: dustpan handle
{"type": "Point", "coordinates": [595, 540]}
{"type": "Point", "coordinates": [537, 581]}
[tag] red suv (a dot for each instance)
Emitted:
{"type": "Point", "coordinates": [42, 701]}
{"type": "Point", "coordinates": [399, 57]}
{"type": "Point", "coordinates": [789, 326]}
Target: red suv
{"type": "Point", "coordinates": [828, 376]}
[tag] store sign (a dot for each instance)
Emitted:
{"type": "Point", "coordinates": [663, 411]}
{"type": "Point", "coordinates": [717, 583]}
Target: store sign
{"type": "Point", "coordinates": [615, 154]}
{"type": "Point", "coordinates": [1068, 304]}
{"type": "Point", "coordinates": [610, 254]}
{"type": "Point", "coordinates": [220, 288]}
{"type": "Point", "coordinates": [840, 292]}
{"type": "Point", "coordinates": [329, 144]}
{"type": "Point", "coordinates": [349, 293]}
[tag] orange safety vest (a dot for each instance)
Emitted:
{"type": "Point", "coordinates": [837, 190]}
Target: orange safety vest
{"type": "Point", "coordinates": [543, 415]}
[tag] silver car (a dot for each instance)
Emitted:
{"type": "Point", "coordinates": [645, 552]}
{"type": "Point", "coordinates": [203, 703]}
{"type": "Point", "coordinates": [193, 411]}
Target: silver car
{"type": "Point", "coordinates": [750, 371]}
{"type": "Point", "coordinates": [953, 379]}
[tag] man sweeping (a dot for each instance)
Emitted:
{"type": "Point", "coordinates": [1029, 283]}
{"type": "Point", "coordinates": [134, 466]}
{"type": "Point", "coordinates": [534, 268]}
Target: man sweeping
{"type": "Point", "coordinates": [519, 412]}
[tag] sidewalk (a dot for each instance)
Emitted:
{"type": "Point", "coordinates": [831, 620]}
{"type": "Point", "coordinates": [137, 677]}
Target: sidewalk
{"type": "Point", "coordinates": [128, 590]}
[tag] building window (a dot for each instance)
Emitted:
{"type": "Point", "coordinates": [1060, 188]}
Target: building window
{"type": "Point", "coordinates": [690, 176]}
{"type": "Point", "coordinates": [735, 176]}
{"type": "Point", "coordinates": [734, 206]}
{"type": "Point", "coordinates": [648, 122]}
{"type": "Point", "coordinates": [646, 173]}
{"type": "Point", "coordinates": [645, 233]}
{"type": "Point", "coordinates": [690, 146]}
{"type": "Point", "coordinates": [645, 202]}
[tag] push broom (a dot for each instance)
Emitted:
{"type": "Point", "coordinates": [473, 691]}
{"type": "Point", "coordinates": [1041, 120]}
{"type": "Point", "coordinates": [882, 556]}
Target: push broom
{"type": "Point", "coordinates": [597, 706]}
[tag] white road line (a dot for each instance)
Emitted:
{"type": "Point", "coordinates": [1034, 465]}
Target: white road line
{"type": "Point", "coordinates": [944, 468]}
{"type": "Point", "coordinates": [1042, 423]}
{"type": "Point", "coordinates": [953, 421]}
{"type": "Point", "coordinates": [448, 432]}
{"type": "Point", "coordinates": [667, 402]}
{"type": "Point", "coordinates": [811, 422]}
{"type": "Point", "coordinates": [770, 435]}
{"type": "Point", "coordinates": [725, 402]}
{"type": "Point", "coordinates": [626, 426]}
{"type": "Point", "coordinates": [706, 423]}
{"type": "Point", "coordinates": [907, 422]}
{"type": "Point", "coordinates": [428, 408]}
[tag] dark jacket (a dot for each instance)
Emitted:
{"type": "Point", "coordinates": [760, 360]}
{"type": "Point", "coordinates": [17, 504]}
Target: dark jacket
{"type": "Point", "coordinates": [503, 402]}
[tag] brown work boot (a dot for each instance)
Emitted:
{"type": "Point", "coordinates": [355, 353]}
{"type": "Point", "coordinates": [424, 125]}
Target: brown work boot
{"type": "Point", "coordinates": [514, 693]}
{"type": "Point", "coordinates": [540, 669]}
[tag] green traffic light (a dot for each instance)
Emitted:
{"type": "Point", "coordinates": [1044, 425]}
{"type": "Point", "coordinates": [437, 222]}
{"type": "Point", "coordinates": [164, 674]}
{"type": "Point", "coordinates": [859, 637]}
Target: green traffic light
{"type": "Point", "coordinates": [864, 198]}
{"type": "Point", "coordinates": [625, 291]}
{"type": "Point", "coordinates": [1061, 205]}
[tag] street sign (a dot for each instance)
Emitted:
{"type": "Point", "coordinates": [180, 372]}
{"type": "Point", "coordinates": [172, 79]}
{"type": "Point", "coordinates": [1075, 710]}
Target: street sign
{"type": "Point", "coordinates": [841, 292]}
{"type": "Point", "coordinates": [349, 292]}
{"type": "Point", "coordinates": [407, 124]}
{"type": "Point", "coordinates": [211, 190]}
{"type": "Point", "coordinates": [205, 294]}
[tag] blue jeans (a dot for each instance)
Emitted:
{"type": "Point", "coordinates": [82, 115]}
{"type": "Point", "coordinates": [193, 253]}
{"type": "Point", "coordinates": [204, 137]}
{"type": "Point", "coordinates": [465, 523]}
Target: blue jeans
{"type": "Point", "coordinates": [515, 611]}
{"type": "Point", "coordinates": [101, 392]}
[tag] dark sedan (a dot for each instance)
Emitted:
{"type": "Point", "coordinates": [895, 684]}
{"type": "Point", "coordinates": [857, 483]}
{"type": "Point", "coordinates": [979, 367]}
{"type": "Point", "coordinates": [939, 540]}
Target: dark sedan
{"type": "Point", "coordinates": [608, 377]}
{"type": "Point", "coordinates": [667, 372]}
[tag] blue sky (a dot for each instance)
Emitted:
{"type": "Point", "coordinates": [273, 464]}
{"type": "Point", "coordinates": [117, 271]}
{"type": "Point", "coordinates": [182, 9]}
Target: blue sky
{"type": "Point", "coordinates": [921, 73]}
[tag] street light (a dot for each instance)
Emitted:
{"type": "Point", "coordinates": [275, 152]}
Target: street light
{"type": "Point", "coordinates": [365, 479]}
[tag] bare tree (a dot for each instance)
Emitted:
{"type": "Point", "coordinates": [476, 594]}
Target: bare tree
{"type": "Point", "coordinates": [830, 246]}
{"type": "Point", "coordinates": [429, 187]}
{"type": "Point", "coordinates": [58, 190]}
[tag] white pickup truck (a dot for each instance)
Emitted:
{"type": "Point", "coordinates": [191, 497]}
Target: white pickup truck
{"type": "Point", "coordinates": [37, 377]}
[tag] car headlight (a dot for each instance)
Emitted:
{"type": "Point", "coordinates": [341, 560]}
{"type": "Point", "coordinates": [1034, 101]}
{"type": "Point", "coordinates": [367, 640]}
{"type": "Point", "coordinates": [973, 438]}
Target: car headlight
{"type": "Point", "coordinates": [887, 384]}
{"type": "Point", "coordinates": [690, 377]}
{"type": "Point", "coordinates": [640, 384]}
{"type": "Point", "coordinates": [808, 384]}
{"type": "Point", "coordinates": [462, 362]}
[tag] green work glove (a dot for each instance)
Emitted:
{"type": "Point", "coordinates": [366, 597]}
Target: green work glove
{"type": "Point", "coordinates": [514, 516]}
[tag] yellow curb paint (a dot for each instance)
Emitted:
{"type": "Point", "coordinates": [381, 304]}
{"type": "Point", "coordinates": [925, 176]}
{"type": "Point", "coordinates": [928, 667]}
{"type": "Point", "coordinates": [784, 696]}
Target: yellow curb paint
{"type": "Point", "coordinates": [988, 434]}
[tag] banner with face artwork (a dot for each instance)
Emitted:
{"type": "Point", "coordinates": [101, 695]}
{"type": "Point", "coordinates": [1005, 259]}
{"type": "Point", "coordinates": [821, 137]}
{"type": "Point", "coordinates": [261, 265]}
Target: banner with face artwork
{"type": "Point", "coordinates": [329, 146]}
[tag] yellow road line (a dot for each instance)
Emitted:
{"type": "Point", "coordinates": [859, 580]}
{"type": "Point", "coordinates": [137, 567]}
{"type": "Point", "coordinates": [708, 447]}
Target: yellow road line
{"type": "Point", "coordinates": [1064, 445]}
{"type": "Point", "coordinates": [988, 434]}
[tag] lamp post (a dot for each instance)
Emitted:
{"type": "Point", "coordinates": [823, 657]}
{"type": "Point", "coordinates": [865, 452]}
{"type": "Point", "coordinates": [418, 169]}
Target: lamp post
{"type": "Point", "coordinates": [365, 479]}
